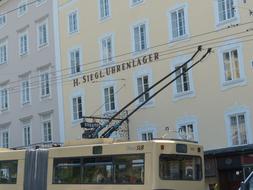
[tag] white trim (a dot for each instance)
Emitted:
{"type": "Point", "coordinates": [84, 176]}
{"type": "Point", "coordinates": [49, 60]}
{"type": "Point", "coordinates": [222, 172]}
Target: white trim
{"type": "Point", "coordinates": [2, 130]}
{"type": "Point", "coordinates": [142, 71]}
{"type": "Point", "coordinates": [77, 20]}
{"type": "Point", "coordinates": [186, 120]}
{"type": "Point", "coordinates": [107, 35]}
{"type": "Point", "coordinates": [42, 120]}
{"type": "Point", "coordinates": [110, 83]}
{"type": "Point", "coordinates": [41, 72]}
{"type": "Point", "coordinates": [40, 23]}
{"type": "Point", "coordinates": [23, 124]}
{"type": "Point", "coordinates": [22, 79]}
{"type": "Point", "coordinates": [147, 128]}
{"type": "Point", "coordinates": [23, 33]}
{"type": "Point", "coordinates": [177, 7]}
{"type": "Point", "coordinates": [77, 47]}
{"type": "Point", "coordinates": [4, 42]}
{"type": "Point", "coordinates": [226, 23]}
{"type": "Point", "coordinates": [180, 60]}
{"type": "Point", "coordinates": [77, 93]}
{"type": "Point", "coordinates": [20, 4]}
{"type": "Point", "coordinates": [3, 87]}
{"type": "Point", "coordinates": [59, 84]}
{"type": "Point", "coordinates": [3, 25]}
{"type": "Point", "coordinates": [132, 26]}
{"type": "Point", "coordinates": [103, 19]}
{"type": "Point", "coordinates": [132, 4]}
{"type": "Point", "coordinates": [238, 109]}
{"type": "Point", "coordinates": [233, 83]}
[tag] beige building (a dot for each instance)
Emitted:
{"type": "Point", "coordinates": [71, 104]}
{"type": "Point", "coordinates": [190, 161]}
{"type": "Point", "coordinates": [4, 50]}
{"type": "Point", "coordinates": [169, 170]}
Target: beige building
{"type": "Point", "coordinates": [30, 94]}
{"type": "Point", "coordinates": [113, 50]}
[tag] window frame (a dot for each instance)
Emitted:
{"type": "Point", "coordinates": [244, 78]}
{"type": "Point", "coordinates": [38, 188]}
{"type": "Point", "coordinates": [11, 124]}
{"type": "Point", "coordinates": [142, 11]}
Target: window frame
{"type": "Point", "coordinates": [4, 42]}
{"type": "Point", "coordinates": [133, 4]}
{"type": "Point", "coordinates": [6, 108]}
{"type": "Point", "coordinates": [76, 94]}
{"type": "Point", "coordinates": [25, 79]}
{"type": "Point", "coordinates": [76, 11]}
{"type": "Point", "coordinates": [22, 34]}
{"type": "Point", "coordinates": [43, 72]}
{"type": "Point", "coordinates": [132, 28]}
{"type": "Point", "coordinates": [237, 110]}
{"type": "Point", "coordinates": [25, 124]}
{"type": "Point", "coordinates": [74, 49]}
{"type": "Point", "coordinates": [45, 118]}
{"type": "Point", "coordinates": [5, 20]}
{"type": "Point", "coordinates": [146, 129]}
{"type": "Point", "coordinates": [186, 121]}
{"type": "Point", "coordinates": [105, 17]}
{"type": "Point", "coordinates": [176, 62]}
{"type": "Point", "coordinates": [2, 143]}
{"type": "Point", "coordinates": [39, 3]}
{"type": "Point", "coordinates": [101, 39]}
{"type": "Point", "coordinates": [219, 24]}
{"type": "Point", "coordinates": [185, 7]}
{"type": "Point", "coordinates": [232, 83]}
{"type": "Point", "coordinates": [22, 4]}
{"type": "Point", "coordinates": [39, 24]}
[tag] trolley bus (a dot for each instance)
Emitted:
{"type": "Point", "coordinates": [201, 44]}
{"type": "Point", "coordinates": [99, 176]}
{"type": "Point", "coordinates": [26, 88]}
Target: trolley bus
{"type": "Point", "coordinates": [105, 164]}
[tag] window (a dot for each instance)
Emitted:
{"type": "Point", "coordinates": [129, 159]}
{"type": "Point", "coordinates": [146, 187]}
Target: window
{"type": "Point", "coordinates": [3, 52]}
{"type": "Point", "coordinates": [107, 49]}
{"type": "Point", "coordinates": [73, 22]}
{"type": "Point", "coordinates": [42, 34]}
{"type": "Point", "coordinates": [23, 43]}
{"type": "Point", "coordinates": [47, 128]}
{"type": "Point", "coordinates": [116, 169]}
{"type": "Point", "coordinates": [27, 133]}
{"type": "Point", "coordinates": [238, 123]}
{"type": "Point", "coordinates": [178, 23]}
{"type": "Point", "coordinates": [143, 85]}
{"type": "Point", "coordinates": [140, 37]}
{"type": "Point", "coordinates": [8, 172]}
{"type": "Point", "coordinates": [104, 9]}
{"type": "Point", "coordinates": [22, 7]}
{"type": "Point", "coordinates": [2, 20]}
{"type": "Point", "coordinates": [226, 10]}
{"type": "Point", "coordinates": [77, 108]}
{"type": "Point", "coordinates": [136, 2]}
{"type": "Point", "coordinates": [109, 98]}
{"type": "Point", "coordinates": [45, 84]}
{"type": "Point", "coordinates": [147, 136]}
{"type": "Point", "coordinates": [180, 167]}
{"type": "Point", "coordinates": [25, 92]}
{"type": "Point", "coordinates": [4, 137]}
{"type": "Point", "coordinates": [4, 99]}
{"type": "Point", "coordinates": [75, 61]}
{"type": "Point", "coordinates": [231, 66]}
{"type": "Point", "coordinates": [183, 87]}
{"type": "Point", "coordinates": [183, 82]}
{"type": "Point", "coordinates": [186, 132]}
{"type": "Point", "coordinates": [238, 129]}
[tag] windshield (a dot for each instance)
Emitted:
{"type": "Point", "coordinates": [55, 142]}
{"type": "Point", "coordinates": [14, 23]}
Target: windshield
{"type": "Point", "coordinates": [180, 167]}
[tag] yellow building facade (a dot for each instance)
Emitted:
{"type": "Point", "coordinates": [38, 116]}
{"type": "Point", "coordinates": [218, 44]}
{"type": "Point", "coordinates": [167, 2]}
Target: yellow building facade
{"type": "Point", "coordinates": [113, 50]}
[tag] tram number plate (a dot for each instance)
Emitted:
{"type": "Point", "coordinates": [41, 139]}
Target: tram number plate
{"type": "Point", "coordinates": [140, 147]}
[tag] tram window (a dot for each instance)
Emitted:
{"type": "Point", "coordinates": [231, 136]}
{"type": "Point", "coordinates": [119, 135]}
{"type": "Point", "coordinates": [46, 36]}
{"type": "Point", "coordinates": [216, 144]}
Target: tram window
{"type": "Point", "coordinates": [129, 169]}
{"type": "Point", "coordinates": [117, 169]}
{"type": "Point", "coordinates": [180, 167]}
{"type": "Point", "coordinates": [8, 172]}
{"type": "Point", "coordinates": [98, 170]}
{"type": "Point", "coordinates": [67, 171]}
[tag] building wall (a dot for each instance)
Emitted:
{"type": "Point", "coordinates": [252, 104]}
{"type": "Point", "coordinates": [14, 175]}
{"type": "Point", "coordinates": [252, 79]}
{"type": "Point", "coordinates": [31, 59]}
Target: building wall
{"type": "Point", "coordinates": [210, 100]}
{"type": "Point", "coordinates": [31, 64]}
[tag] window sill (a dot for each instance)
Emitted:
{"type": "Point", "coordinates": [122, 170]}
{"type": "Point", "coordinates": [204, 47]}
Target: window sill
{"type": "Point", "coordinates": [179, 39]}
{"type": "Point", "coordinates": [75, 75]}
{"type": "Point", "coordinates": [4, 63]}
{"type": "Point", "coordinates": [104, 19]}
{"type": "Point", "coordinates": [149, 104]}
{"type": "Point", "coordinates": [233, 83]}
{"type": "Point", "coordinates": [183, 95]}
{"type": "Point", "coordinates": [133, 5]}
{"type": "Point", "coordinates": [43, 46]}
{"type": "Point", "coordinates": [73, 33]}
{"type": "Point", "coordinates": [23, 55]}
{"type": "Point", "coordinates": [76, 122]}
{"type": "Point", "coordinates": [140, 53]}
{"type": "Point", "coordinates": [224, 23]}
{"type": "Point", "coordinates": [26, 104]}
{"type": "Point", "coordinates": [46, 97]}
